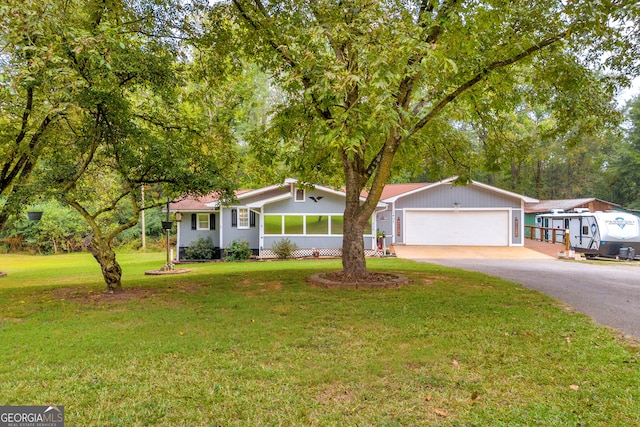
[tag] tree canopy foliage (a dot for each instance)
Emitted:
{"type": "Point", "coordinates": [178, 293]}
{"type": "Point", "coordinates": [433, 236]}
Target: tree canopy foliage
{"type": "Point", "coordinates": [370, 84]}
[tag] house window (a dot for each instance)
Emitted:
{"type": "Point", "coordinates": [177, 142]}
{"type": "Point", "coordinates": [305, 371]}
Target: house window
{"type": "Point", "coordinates": [273, 224]}
{"type": "Point", "coordinates": [299, 195]}
{"type": "Point", "coordinates": [243, 218]}
{"type": "Point", "coordinates": [337, 224]}
{"type": "Point", "coordinates": [294, 224]}
{"type": "Point", "coordinates": [318, 224]}
{"type": "Point", "coordinates": [203, 221]}
{"type": "Point", "coordinates": [311, 224]}
{"type": "Point", "coordinates": [368, 229]}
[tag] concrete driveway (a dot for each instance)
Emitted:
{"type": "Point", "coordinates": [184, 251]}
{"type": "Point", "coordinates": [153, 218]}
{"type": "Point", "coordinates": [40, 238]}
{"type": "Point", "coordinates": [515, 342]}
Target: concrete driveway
{"type": "Point", "coordinates": [467, 252]}
{"type": "Point", "coordinates": [607, 292]}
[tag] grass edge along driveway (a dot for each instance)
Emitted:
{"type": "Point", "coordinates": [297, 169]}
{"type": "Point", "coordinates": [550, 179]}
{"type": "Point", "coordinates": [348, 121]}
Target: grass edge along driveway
{"type": "Point", "coordinates": [238, 344]}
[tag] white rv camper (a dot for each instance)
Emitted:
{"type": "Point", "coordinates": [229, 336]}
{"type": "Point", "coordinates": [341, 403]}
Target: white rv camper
{"type": "Point", "coordinates": [611, 233]}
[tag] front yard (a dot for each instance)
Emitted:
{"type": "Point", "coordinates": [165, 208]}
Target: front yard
{"type": "Point", "coordinates": [253, 344]}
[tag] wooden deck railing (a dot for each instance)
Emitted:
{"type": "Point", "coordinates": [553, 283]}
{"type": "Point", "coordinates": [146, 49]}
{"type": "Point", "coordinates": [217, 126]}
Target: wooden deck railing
{"type": "Point", "coordinates": [546, 234]}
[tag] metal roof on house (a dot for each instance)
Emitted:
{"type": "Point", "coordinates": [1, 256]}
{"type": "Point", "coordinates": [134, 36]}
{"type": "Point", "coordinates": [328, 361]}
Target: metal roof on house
{"type": "Point", "coordinates": [564, 204]}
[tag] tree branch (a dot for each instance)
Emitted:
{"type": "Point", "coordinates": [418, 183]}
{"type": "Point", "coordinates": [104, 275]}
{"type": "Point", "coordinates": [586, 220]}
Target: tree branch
{"type": "Point", "coordinates": [443, 13]}
{"type": "Point", "coordinates": [405, 89]}
{"type": "Point", "coordinates": [89, 157]}
{"type": "Point", "coordinates": [6, 176]}
{"type": "Point", "coordinates": [135, 215]}
{"type": "Point", "coordinates": [281, 48]}
{"type": "Point", "coordinates": [482, 74]}
{"type": "Point", "coordinates": [26, 162]}
{"type": "Point", "coordinates": [165, 126]}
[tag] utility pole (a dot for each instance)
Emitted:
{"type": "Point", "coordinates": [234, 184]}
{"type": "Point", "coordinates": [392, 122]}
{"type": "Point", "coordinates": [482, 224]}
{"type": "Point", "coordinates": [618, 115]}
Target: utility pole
{"type": "Point", "coordinates": [142, 222]}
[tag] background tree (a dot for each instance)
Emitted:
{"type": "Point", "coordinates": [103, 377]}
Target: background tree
{"type": "Point", "coordinates": [123, 116]}
{"type": "Point", "coordinates": [369, 81]}
{"type": "Point", "coordinates": [545, 153]}
{"type": "Point", "coordinates": [621, 172]}
{"type": "Point", "coordinates": [60, 230]}
{"type": "Point", "coordinates": [236, 95]}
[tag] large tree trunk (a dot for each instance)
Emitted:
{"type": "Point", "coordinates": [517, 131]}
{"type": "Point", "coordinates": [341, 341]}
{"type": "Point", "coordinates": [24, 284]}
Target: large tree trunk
{"type": "Point", "coordinates": [353, 261]}
{"type": "Point", "coordinates": [356, 215]}
{"type": "Point", "coordinates": [106, 257]}
{"type": "Point", "coordinates": [357, 212]}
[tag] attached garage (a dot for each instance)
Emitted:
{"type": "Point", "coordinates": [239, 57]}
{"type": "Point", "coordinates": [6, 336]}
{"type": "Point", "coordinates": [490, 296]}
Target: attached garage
{"type": "Point", "coordinates": [448, 214]}
{"type": "Point", "coordinates": [462, 228]}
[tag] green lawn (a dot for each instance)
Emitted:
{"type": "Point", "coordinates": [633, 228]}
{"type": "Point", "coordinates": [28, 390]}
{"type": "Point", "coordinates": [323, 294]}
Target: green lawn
{"type": "Point", "coordinates": [251, 344]}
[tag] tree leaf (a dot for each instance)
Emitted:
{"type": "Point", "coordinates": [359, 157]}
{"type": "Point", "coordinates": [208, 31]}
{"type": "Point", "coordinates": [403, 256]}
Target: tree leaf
{"type": "Point", "coordinates": [441, 413]}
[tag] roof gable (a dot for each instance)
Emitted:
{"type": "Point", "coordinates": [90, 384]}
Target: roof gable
{"type": "Point", "coordinates": [253, 198]}
{"type": "Point", "coordinates": [396, 192]}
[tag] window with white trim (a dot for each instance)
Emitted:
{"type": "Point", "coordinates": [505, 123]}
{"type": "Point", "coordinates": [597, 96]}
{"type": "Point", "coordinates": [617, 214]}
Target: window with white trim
{"type": "Point", "coordinates": [308, 224]}
{"type": "Point", "coordinates": [294, 224]}
{"type": "Point", "coordinates": [203, 221]}
{"type": "Point", "coordinates": [243, 217]}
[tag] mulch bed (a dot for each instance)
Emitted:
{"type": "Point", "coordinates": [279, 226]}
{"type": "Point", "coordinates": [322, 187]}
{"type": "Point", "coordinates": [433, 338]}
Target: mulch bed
{"type": "Point", "coordinates": [338, 280]}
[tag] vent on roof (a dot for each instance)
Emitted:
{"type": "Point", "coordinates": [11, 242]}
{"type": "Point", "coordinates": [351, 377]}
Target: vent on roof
{"type": "Point", "coordinates": [581, 210]}
{"type": "Point", "coordinates": [557, 211]}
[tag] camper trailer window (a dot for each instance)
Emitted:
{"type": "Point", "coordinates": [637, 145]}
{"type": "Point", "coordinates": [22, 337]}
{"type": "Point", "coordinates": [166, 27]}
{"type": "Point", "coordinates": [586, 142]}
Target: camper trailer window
{"type": "Point", "coordinates": [585, 230]}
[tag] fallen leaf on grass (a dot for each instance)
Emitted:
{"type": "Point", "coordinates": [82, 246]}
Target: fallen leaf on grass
{"type": "Point", "coordinates": [455, 362]}
{"type": "Point", "coordinates": [428, 398]}
{"type": "Point", "coordinates": [475, 395]}
{"type": "Point", "coordinates": [574, 387]}
{"type": "Point", "coordinates": [440, 413]}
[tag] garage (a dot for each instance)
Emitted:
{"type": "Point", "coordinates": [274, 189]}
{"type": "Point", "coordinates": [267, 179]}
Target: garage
{"type": "Point", "coordinates": [462, 228]}
{"type": "Point", "coordinates": [450, 213]}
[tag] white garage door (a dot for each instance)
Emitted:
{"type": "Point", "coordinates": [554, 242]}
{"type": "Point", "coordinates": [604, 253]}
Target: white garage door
{"type": "Point", "coordinates": [462, 228]}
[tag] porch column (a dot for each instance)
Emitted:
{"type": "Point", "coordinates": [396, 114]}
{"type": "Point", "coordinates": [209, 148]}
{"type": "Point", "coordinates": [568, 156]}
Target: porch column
{"type": "Point", "coordinates": [221, 228]}
{"type": "Point", "coordinates": [261, 231]}
{"type": "Point", "coordinates": [178, 240]}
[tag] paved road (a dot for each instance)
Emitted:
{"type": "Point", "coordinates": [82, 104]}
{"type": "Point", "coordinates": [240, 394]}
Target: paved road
{"type": "Point", "coordinates": [609, 293]}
